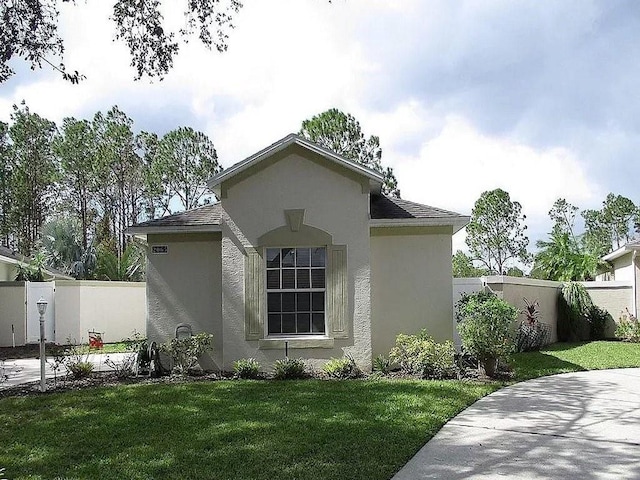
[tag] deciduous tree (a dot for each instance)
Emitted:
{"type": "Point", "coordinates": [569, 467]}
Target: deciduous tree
{"type": "Point", "coordinates": [496, 232]}
{"type": "Point", "coordinates": [30, 32]}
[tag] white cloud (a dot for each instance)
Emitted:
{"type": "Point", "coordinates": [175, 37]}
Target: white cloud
{"type": "Point", "coordinates": [453, 168]}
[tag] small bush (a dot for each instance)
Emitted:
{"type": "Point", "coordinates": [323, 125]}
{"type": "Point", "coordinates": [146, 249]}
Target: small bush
{"type": "Point", "coordinates": [532, 334]}
{"type": "Point", "coordinates": [289, 368]}
{"type": "Point", "coordinates": [597, 318]}
{"type": "Point", "coordinates": [574, 304]}
{"type": "Point", "coordinates": [344, 367]}
{"type": "Point", "coordinates": [486, 328]}
{"type": "Point", "coordinates": [80, 369]}
{"type": "Point", "coordinates": [422, 355]}
{"type": "Point", "coordinates": [246, 368]}
{"type": "Point", "coordinates": [75, 358]}
{"type": "Point", "coordinates": [381, 365]}
{"type": "Point", "coordinates": [185, 352]}
{"type": "Point", "coordinates": [628, 328]}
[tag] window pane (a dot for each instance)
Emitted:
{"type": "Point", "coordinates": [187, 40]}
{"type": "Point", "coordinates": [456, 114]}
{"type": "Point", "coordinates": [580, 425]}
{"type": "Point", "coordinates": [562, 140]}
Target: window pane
{"type": "Point", "coordinates": [303, 257]}
{"type": "Point", "coordinates": [288, 278]}
{"type": "Point", "coordinates": [273, 279]}
{"type": "Point", "coordinates": [317, 278]}
{"type": "Point", "coordinates": [288, 323]}
{"type": "Point", "coordinates": [303, 322]}
{"type": "Point", "coordinates": [288, 257]}
{"type": "Point", "coordinates": [273, 258]}
{"type": "Point", "coordinates": [317, 301]}
{"type": "Point", "coordinates": [317, 323]}
{"type": "Point", "coordinates": [318, 257]}
{"type": "Point", "coordinates": [274, 303]}
{"type": "Point", "coordinates": [274, 323]}
{"type": "Point", "coordinates": [289, 302]}
{"type": "Point", "coordinates": [302, 275]}
{"type": "Point", "coordinates": [304, 302]}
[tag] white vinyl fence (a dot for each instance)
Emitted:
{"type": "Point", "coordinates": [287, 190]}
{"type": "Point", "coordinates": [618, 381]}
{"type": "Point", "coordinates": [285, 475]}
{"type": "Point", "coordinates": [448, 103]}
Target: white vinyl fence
{"type": "Point", "coordinates": [116, 309]}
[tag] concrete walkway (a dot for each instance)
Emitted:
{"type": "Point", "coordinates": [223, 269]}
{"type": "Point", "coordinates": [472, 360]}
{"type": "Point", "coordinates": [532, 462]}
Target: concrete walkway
{"type": "Point", "coordinates": [15, 372]}
{"type": "Point", "coordinates": [574, 426]}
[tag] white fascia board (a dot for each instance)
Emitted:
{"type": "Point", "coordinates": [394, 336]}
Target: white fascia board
{"type": "Point", "coordinates": [213, 182]}
{"type": "Point", "coordinates": [10, 260]}
{"type": "Point", "coordinates": [458, 223]}
{"type": "Point", "coordinates": [620, 252]}
{"type": "Point", "coordinates": [136, 231]}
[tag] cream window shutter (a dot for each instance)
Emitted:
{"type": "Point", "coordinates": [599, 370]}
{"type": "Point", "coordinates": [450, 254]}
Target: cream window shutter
{"type": "Point", "coordinates": [337, 291]}
{"type": "Point", "coordinates": [254, 294]}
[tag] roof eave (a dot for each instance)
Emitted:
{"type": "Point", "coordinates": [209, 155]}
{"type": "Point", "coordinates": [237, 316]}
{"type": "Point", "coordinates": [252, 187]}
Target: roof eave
{"type": "Point", "coordinates": [620, 252]}
{"type": "Point", "coordinates": [458, 223]}
{"type": "Point", "coordinates": [138, 230]}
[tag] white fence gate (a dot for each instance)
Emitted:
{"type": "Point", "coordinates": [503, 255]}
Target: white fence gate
{"type": "Point", "coordinates": [36, 291]}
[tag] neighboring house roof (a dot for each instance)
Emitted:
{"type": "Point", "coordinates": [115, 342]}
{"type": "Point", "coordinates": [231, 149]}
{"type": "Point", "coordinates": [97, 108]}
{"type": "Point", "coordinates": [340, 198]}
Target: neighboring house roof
{"type": "Point", "coordinates": [10, 257]}
{"type": "Point", "coordinates": [375, 178]}
{"type": "Point", "coordinates": [389, 211]}
{"type": "Point", "coordinates": [629, 247]}
{"type": "Point", "coordinates": [385, 211]}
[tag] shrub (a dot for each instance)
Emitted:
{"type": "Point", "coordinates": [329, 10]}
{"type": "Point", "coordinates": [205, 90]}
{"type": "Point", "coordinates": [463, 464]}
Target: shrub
{"type": "Point", "coordinates": [344, 367]}
{"type": "Point", "coordinates": [381, 365]}
{"type": "Point", "coordinates": [574, 304]}
{"type": "Point", "coordinates": [185, 352]}
{"type": "Point", "coordinates": [532, 334]}
{"type": "Point", "coordinates": [246, 368]}
{"type": "Point", "coordinates": [80, 369]}
{"type": "Point", "coordinates": [486, 328]}
{"type": "Point", "coordinates": [135, 357]}
{"type": "Point", "coordinates": [628, 328]}
{"type": "Point", "coordinates": [75, 358]}
{"type": "Point", "coordinates": [421, 355]}
{"type": "Point", "coordinates": [597, 318]}
{"type": "Point", "coordinates": [289, 368]}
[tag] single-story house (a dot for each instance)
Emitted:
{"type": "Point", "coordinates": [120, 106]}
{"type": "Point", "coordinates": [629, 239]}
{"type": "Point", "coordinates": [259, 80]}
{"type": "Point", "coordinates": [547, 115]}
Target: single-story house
{"type": "Point", "coordinates": [302, 251]}
{"type": "Point", "coordinates": [624, 266]}
{"type": "Point", "coordinates": [9, 261]}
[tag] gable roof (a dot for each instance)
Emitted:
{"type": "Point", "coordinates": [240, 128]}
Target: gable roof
{"type": "Point", "coordinates": [629, 247]}
{"type": "Point", "coordinates": [375, 178]}
{"type": "Point", "coordinates": [385, 212]}
{"type": "Point", "coordinates": [207, 218]}
{"type": "Point", "coordinates": [390, 212]}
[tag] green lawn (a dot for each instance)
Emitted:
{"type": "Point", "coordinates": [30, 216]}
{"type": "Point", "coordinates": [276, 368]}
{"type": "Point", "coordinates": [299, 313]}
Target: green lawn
{"type": "Point", "coordinates": [310, 429]}
{"type": "Point", "coordinates": [574, 357]}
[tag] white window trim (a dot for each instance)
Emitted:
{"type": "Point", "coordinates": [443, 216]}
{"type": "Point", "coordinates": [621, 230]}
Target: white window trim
{"type": "Point", "coordinates": [296, 336]}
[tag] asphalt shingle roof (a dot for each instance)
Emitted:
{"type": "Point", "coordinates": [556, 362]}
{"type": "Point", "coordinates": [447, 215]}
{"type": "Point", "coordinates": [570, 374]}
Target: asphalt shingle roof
{"type": "Point", "coordinates": [395, 208]}
{"type": "Point", "coordinates": [205, 215]}
{"type": "Point", "coordinates": [382, 208]}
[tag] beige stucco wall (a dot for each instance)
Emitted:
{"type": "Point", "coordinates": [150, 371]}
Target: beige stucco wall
{"type": "Point", "coordinates": [184, 286]}
{"type": "Point", "coordinates": [513, 290]}
{"type": "Point", "coordinates": [613, 296]}
{"type": "Point", "coordinates": [116, 309]}
{"type": "Point", "coordinates": [622, 268]}
{"type": "Point", "coordinates": [411, 284]}
{"type": "Point", "coordinates": [334, 201]}
{"type": "Point", "coordinates": [12, 312]}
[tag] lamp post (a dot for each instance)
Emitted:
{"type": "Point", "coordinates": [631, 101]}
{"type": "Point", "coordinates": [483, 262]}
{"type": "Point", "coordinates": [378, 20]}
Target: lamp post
{"type": "Point", "coordinates": [42, 308]}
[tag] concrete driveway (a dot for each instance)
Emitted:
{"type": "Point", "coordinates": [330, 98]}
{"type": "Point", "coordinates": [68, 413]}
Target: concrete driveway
{"type": "Point", "coordinates": [15, 372]}
{"type": "Point", "coordinates": [574, 426]}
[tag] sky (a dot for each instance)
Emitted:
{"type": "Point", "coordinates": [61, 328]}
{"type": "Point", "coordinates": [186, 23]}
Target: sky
{"type": "Point", "coordinates": [539, 98]}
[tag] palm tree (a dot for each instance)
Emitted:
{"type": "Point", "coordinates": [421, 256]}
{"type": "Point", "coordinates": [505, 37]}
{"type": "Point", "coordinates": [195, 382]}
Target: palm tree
{"type": "Point", "coordinates": [563, 259]}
